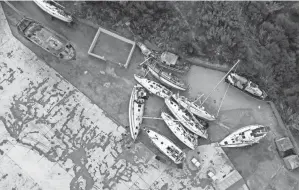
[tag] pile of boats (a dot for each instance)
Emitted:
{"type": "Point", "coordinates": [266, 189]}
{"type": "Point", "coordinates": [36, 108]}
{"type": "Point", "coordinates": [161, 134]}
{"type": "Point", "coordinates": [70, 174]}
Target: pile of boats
{"type": "Point", "coordinates": [188, 121]}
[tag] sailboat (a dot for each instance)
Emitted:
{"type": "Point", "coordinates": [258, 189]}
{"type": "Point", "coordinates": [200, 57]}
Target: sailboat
{"type": "Point", "coordinates": [153, 87]}
{"type": "Point", "coordinates": [245, 85]}
{"type": "Point", "coordinates": [188, 138]}
{"type": "Point", "coordinates": [136, 109]}
{"type": "Point", "coordinates": [245, 136]}
{"type": "Point", "coordinates": [166, 146]}
{"type": "Point", "coordinates": [54, 9]}
{"type": "Point", "coordinates": [166, 78]}
{"type": "Point", "coordinates": [46, 38]}
{"type": "Point", "coordinates": [190, 123]}
{"type": "Point", "coordinates": [193, 107]}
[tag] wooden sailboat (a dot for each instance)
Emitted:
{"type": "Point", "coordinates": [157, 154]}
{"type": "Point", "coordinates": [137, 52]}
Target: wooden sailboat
{"type": "Point", "coordinates": [136, 109]}
{"type": "Point", "coordinates": [245, 136]}
{"type": "Point", "coordinates": [54, 9]}
{"type": "Point", "coordinates": [165, 59]}
{"type": "Point", "coordinates": [188, 138]}
{"type": "Point", "coordinates": [245, 85]}
{"type": "Point", "coordinates": [166, 78]}
{"type": "Point", "coordinates": [190, 123]}
{"type": "Point", "coordinates": [166, 146]}
{"type": "Point", "coordinates": [171, 61]}
{"type": "Point", "coordinates": [193, 107]}
{"type": "Point", "coordinates": [47, 39]}
{"type": "Point", "coordinates": [153, 87]}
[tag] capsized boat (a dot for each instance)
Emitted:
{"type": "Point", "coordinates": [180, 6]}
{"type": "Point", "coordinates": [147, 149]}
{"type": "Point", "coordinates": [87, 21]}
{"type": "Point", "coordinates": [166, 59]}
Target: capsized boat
{"type": "Point", "coordinates": [171, 61]}
{"type": "Point", "coordinates": [190, 123]}
{"type": "Point", "coordinates": [193, 107]}
{"type": "Point", "coordinates": [136, 109]}
{"type": "Point", "coordinates": [153, 87]}
{"type": "Point", "coordinates": [166, 78]}
{"type": "Point", "coordinates": [245, 136]}
{"type": "Point", "coordinates": [166, 146]}
{"type": "Point", "coordinates": [47, 39]}
{"type": "Point", "coordinates": [188, 138]}
{"type": "Point", "coordinates": [245, 85]}
{"type": "Point", "coordinates": [54, 9]}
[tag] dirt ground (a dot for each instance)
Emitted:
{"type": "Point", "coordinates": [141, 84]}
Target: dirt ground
{"type": "Point", "coordinates": [109, 87]}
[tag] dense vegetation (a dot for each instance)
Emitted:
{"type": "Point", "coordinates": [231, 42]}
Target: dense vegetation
{"type": "Point", "coordinates": [263, 34]}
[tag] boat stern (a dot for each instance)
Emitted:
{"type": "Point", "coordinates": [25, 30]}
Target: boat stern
{"type": "Point", "coordinates": [23, 24]}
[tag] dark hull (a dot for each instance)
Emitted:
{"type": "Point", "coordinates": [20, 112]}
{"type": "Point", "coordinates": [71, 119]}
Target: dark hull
{"type": "Point", "coordinates": [177, 68]}
{"type": "Point", "coordinates": [37, 33]}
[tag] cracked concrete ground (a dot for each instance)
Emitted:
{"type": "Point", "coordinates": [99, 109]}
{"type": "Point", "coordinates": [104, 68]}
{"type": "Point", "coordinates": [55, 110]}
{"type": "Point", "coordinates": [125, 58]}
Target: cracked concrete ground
{"type": "Point", "coordinates": [73, 137]}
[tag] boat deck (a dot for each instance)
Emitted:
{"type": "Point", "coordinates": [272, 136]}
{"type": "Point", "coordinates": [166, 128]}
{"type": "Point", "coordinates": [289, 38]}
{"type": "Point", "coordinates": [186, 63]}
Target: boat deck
{"type": "Point", "coordinates": [45, 38]}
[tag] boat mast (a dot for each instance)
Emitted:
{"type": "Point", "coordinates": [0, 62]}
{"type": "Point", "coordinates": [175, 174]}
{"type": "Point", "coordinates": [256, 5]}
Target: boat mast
{"type": "Point", "coordinates": [156, 118]}
{"type": "Point", "coordinates": [219, 83]}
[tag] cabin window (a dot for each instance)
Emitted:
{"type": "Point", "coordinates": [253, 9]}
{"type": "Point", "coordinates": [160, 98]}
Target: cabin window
{"type": "Point", "coordinates": [161, 142]}
{"type": "Point", "coordinates": [225, 142]}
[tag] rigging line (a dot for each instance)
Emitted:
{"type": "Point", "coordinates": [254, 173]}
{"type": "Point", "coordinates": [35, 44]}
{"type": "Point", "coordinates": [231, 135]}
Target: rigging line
{"type": "Point", "coordinates": [220, 82]}
{"type": "Point", "coordinates": [224, 95]}
{"type": "Point", "coordinates": [222, 100]}
{"type": "Point", "coordinates": [198, 98]}
{"type": "Point", "coordinates": [145, 61]}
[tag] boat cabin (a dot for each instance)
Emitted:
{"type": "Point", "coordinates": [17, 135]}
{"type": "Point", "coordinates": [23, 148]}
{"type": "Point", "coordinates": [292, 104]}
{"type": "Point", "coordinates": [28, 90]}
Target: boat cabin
{"type": "Point", "coordinates": [169, 59]}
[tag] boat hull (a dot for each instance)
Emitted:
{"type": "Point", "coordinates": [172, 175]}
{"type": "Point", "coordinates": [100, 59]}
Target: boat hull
{"type": "Point", "coordinates": [46, 39]}
{"type": "Point", "coordinates": [162, 143]}
{"type": "Point", "coordinates": [45, 6]}
{"type": "Point", "coordinates": [179, 131]}
{"type": "Point", "coordinates": [185, 119]}
{"type": "Point", "coordinates": [196, 110]}
{"type": "Point", "coordinates": [136, 111]}
{"type": "Point", "coordinates": [246, 88]}
{"type": "Point", "coordinates": [165, 81]}
{"type": "Point", "coordinates": [245, 136]}
{"type": "Point", "coordinates": [153, 87]}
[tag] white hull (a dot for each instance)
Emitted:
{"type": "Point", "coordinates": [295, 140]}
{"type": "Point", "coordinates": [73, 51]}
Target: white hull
{"type": "Point", "coordinates": [167, 147]}
{"type": "Point", "coordinates": [245, 136]}
{"type": "Point", "coordinates": [186, 120]}
{"type": "Point", "coordinates": [153, 87]}
{"type": "Point", "coordinates": [188, 138]}
{"type": "Point", "coordinates": [194, 108]}
{"type": "Point", "coordinates": [246, 85]}
{"type": "Point", "coordinates": [54, 10]}
{"type": "Point", "coordinates": [135, 113]}
{"type": "Point", "coordinates": [163, 80]}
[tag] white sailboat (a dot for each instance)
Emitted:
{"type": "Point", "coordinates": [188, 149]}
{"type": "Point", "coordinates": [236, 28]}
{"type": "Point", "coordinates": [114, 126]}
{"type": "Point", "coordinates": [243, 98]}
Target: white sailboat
{"type": "Point", "coordinates": [190, 123]}
{"type": "Point", "coordinates": [245, 85]}
{"type": "Point", "coordinates": [153, 87]}
{"type": "Point", "coordinates": [188, 138]}
{"type": "Point", "coordinates": [193, 107]}
{"type": "Point", "coordinates": [136, 109]}
{"type": "Point", "coordinates": [245, 136]}
{"type": "Point", "coordinates": [167, 78]}
{"type": "Point", "coordinates": [54, 9]}
{"type": "Point", "coordinates": [166, 146]}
